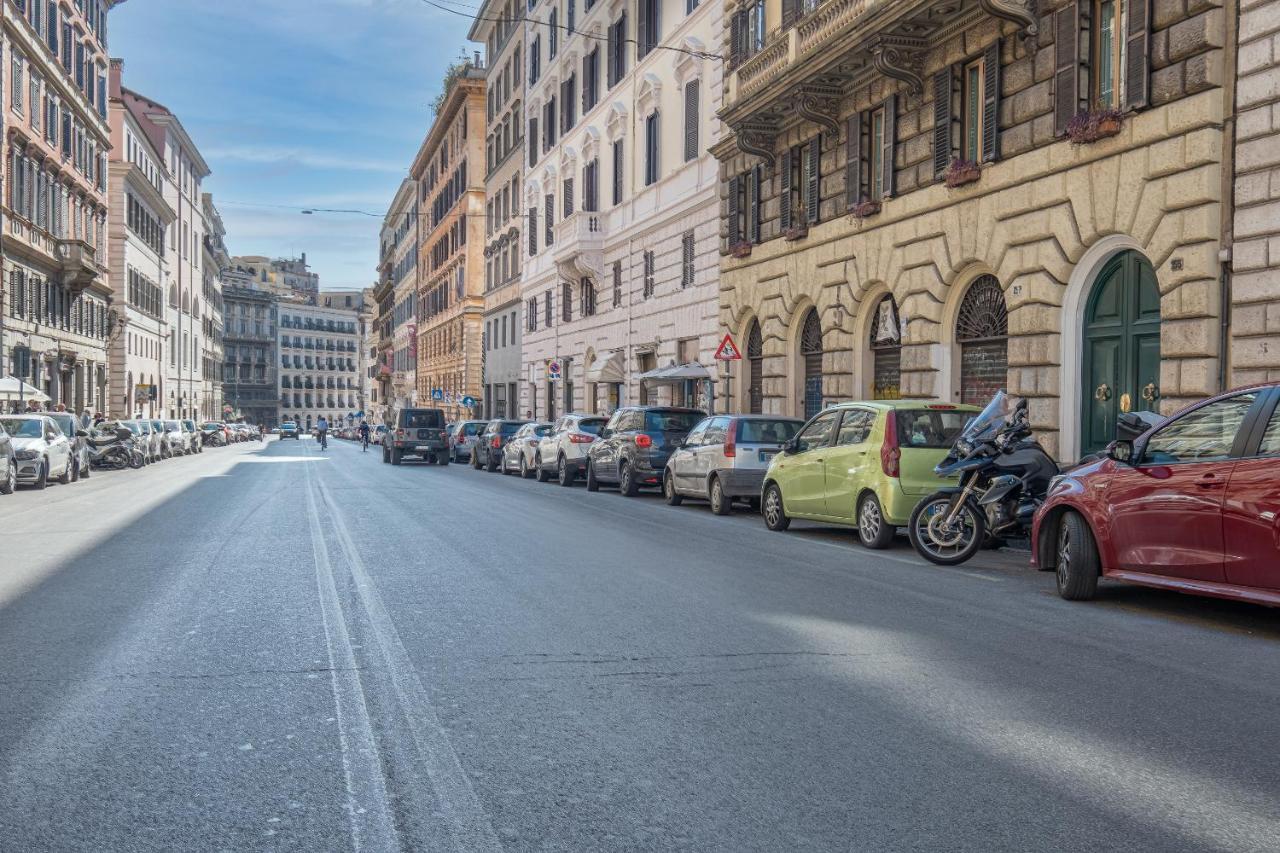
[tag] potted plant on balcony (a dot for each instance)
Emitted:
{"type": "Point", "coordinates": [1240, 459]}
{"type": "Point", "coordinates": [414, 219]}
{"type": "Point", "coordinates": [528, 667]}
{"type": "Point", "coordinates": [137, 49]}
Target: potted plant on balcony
{"type": "Point", "coordinates": [961, 172]}
{"type": "Point", "coordinates": [798, 231]}
{"type": "Point", "coordinates": [1092, 125]}
{"type": "Point", "coordinates": [740, 249]}
{"type": "Point", "coordinates": [865, 208]}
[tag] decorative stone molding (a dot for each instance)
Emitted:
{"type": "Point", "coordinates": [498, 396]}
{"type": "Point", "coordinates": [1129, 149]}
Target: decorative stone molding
{"type": "Point", "coordinates": [820, 105]}
{"type": "Point", "coordinates": [648, 93]}
{"type": "Point", "coordinates": [900, 58]}
{"type": "Point", "coordinates": [688, 64]}
{"type": "Point", "coordinates": [1021, 12]}
{"type": "Point", "coordinates": [757, 138]}
{"type": "Point", "coordinates": [615, 125]}
{"type": "Point", "coordinates": [590, 143]}
{"type": "Point", "coordinates": [568, 157]}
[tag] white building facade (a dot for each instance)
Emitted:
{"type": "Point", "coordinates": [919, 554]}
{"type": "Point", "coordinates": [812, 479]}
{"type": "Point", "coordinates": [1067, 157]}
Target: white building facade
{"type": "Point", "coordinates": [620, 202]}
{"type": "Point", "coordinates": [216, 258]}
{"type": "Point", "coordinates": [319, 363]}
{"type": "Point", "coordinates": [399, 267]}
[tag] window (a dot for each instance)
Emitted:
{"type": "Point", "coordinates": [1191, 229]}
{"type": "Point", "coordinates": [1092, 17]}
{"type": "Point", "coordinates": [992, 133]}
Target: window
{"type": "Point", "coordinates": [591, 186]}
{"type": "Point", "coordinates": [535, 60]}
{"type": "Point", "coordinates": [17, 82]}
{"type": "Point", "coordinates": [587, 292]}
{"type": "Point", "coordinates": [618, 50]}
{"type": "Point", "coordinates": [533, 138]}
{"type": "Point", "coordinates": [877, 154]}
{"type": "Point", "coordinates": [811, 356]}
{"type": "Point", "coordinates": [567, 204]}
{"type": "Point", "coordinates": [648, 275]}
{"type": "Point", "coordinates": [651, 141]}
{"type": "Point", "coordinates": [1202, 435]}
{"type": "Point", "coordinates": [546, 309]}
{"type": "Point", "coordinates": [566, 301]}
{"type": "Point", "coordinates": [800, 184]}
{"type": "Point", "coordinates": [647, 27]}
{"type": "Point", "coordinates": [691, 120]}
{"type": "Point", "coordinates": [974, 89]}
{"type": "Point", "coordinates": [686, 259]}
{"type": "Point", "coordinates": [590, 79]}
{"type": "Point", "coordinates": [1108, 55]}
{"type": "Point", "coordinates": [1271, 438]}
{"type": "Point", "coordinates": [553, 33]}
{"type": "Point", "coordinates": [549, 202]}
{"type": "Point", "coordinates": [617, 283]}
{"type": "Point", "coordinates": [618, 169]}
{"type": "Point", "coordinates": [817, 433]}
{"type": "Point", "coordinates": [568, 104]}
{"type": "Point", "coordinates": [531, 315]}
{"type": "Point", "coordinates": [855, 427]}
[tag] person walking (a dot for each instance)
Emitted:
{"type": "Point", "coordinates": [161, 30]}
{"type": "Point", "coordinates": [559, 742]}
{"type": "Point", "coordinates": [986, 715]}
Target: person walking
{"type": "Point", "coordinates": [86, 419]}
{"type": "Point", "coordinates": [322, 432]}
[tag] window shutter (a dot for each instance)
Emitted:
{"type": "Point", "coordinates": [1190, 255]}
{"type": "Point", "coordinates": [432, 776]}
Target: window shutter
{"type": "Point", "coordinates": [753, 210]}
{"type": "Point", "coordinates": [991, 104]}
{"type": "Point", "coordinates": [686, 268]}
{"type": "Point", "coordinates": [1066, 63]}
{"type": "Point", "coordinates": [942, 121]}
{"type": "Point", "coordinates": [813, 182]}
{"type": "Point", "coordinates": [586, 81]}
{"type": "Point", "coordinates": [1137, 76]}
{"type": "Point", "coordinates": [853, 161]}
{"type": "Point", "coordinates": [617, 172]}
{"type": "Point", "coordinates": [642, 29]}
{"type": "Point", "coordinates": [549, 202]}
{"type": "Point", "coordinates": [566, 206]}
{"type": "Point", "coordinates": [790, 13]}
{"type": "Point", "coordinates": [784, 198]}
{"type": "Point", "coordinates": [735, 40]}
{"type": "Point", "coordinates": [691, 120]}
{"type": "Point", "coordinates": [890, 136]}
{"type": "Point", "coordinates": [735, 187]}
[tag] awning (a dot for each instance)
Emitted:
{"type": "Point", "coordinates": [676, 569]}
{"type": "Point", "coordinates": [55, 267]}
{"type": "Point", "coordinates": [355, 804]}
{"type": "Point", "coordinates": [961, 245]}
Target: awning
{"type": "Point", "coordinates": [677, 373]}
{"type": "Point", "coordinates": [607, 368]}
{"type": "Point", "coordinates": [13, 387]}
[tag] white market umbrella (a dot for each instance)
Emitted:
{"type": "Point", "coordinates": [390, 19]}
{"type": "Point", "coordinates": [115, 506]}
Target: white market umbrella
{"type": "Point", "coordinates": [11, 387]}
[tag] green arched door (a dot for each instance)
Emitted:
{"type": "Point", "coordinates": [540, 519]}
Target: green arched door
{"type": "Point", "coordinates": [1121, 368]}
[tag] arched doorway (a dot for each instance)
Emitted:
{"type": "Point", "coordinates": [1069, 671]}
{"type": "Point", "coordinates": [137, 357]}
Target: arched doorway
{"type": "Point", "coordinates": [982, 331]}
{"type": "Point", "coordinates": [755, 369]}
{"type": "Point", "coordinates": [886, 351]}
{"type": "Point", "coordinates": [1121, 347]}
{"type": "Point", "coordinates": [811, 359]}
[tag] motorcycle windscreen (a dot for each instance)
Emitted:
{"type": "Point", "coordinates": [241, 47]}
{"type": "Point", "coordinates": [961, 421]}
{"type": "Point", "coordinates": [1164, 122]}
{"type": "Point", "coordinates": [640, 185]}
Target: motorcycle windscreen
{"type": "Point", "coordinates": [990, 420]}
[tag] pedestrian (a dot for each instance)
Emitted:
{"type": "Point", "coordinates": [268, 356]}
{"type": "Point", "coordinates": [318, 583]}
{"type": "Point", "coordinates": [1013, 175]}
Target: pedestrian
{"type": "Point", "coordinates": [62, 407]}
{"type": "Point", "coordinates": [33, 405]}
{"type": "Point", "coordinates": [86, 419]}
{"type": "Point", "coordinates": [528, 414]}
{"type": "Point", "coordinates": [98, 418]}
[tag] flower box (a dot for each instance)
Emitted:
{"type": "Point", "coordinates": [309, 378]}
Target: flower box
{"type": "Point", "coordinates": [796, 232]}
{"type": "Point", "coordinates": [740, 249]}
{"type": "Point", "coordinates": [1088, 127]}
{"type": "Point", "coordinates": [962, 172]}
{"type": "Point", "coordinates": [865, 208]}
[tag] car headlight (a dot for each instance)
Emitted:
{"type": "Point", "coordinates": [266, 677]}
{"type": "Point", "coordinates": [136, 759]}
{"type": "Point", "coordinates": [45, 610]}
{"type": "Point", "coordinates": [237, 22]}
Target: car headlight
{"type": "Point", "coordinates": [27, 455]}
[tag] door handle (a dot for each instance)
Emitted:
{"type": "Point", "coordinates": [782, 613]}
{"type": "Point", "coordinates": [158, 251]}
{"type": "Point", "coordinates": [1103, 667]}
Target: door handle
{"type": "Point", "coordinates": [1210, 481]}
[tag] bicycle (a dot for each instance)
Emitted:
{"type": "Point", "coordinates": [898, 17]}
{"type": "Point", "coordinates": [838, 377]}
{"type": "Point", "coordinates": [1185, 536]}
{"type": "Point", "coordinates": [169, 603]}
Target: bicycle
{"type": "Point", "coordinates": [364, 443]}
{"type": "Point", "coordinates": [324, 439]}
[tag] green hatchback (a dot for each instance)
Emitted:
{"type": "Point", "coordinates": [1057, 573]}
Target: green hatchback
{"type": "Point", "coordinates": [865, 464]}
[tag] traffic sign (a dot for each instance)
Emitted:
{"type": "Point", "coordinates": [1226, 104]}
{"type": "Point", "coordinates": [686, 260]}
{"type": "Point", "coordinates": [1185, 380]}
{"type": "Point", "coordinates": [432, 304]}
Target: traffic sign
{"type": "Point", "coordinates": [553, 368]}
{"type": "Point", "coordinates": [728, 350]}
{"type": "Point", "coordinates": [469, 402]}
{"type": "Point", "coordinates": [437, 393]}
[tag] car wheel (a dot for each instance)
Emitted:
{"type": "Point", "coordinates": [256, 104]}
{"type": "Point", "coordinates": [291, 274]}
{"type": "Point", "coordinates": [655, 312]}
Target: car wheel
{"type": "Point", "coordinates": [442, 460]}
{"type": "Point", "coordinates": [873, 530]}
{"type": "Point", "coordinates": [386, 457]}
{"type": "Point", "coordinates": [490, 465]}
{"type": "Point", "coordinates": [42, 479]}
{"type": "Point", "coordinates": [65, 477]}
{"type": "Point", "coordinates": [1077, 559]}
{"type": "Point", "coordinates": [10, 479]}
{"type": "Point", "coordinates": [627, 481]}
{"type": "Point", "coordinates": [74, 465]}
{"type": "Point", "coordinates": [83, 471]}
{"type": "Point", "coordinates": [775, 516]}
{"type": "Point", "coordinates": [669, 492]}
{"type": "Point", "coordinates": [564, 475]}
{"type": "Point", "coordinates": [396, 456]}
{"type": "Point", "coordinates": [475, 460]}
{"type": "Point", "coordinates": [539, 470]}
{"type": "Point", "coordinates": [593, 485]}
{"type": "Point", "coordinates": [721, 504]}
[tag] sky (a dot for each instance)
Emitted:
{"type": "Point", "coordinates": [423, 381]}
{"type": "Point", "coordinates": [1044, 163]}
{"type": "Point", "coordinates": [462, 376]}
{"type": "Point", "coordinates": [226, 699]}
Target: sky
{"type": "Point", "coordinates": [297, 103]}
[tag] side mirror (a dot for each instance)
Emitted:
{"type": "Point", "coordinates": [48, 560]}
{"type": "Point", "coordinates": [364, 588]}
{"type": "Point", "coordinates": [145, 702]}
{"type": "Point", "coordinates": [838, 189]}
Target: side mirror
{"type": "Point", "coordinates": [792, 446]}
{"type": "Point", "coordinates": [1121, 450]}
{"type": "Point", "coordinates": [81, 433]}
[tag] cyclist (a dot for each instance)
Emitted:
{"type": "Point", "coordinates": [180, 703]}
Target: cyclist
{"type": "Point", "coordinates": [364, 436]}
{"type": "Point", "coordinates": [322, 432]}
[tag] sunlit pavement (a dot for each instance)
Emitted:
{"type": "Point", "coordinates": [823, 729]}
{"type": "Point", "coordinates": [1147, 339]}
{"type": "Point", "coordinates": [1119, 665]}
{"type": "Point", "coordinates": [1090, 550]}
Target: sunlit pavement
{"type": "Point", "coordinates": [271, 647]}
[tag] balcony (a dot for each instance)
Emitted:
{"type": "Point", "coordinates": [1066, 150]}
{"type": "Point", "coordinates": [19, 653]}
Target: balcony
{"type": "Point", "coordinates": [579, 247]}
{"type": "Point", "coordinates": [77, 264]}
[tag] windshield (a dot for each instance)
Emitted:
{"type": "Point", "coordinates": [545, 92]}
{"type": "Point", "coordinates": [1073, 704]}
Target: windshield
{"type": "Point", "coordinates": [592, 426]}
{"type": "Point", "coordinates": [422, 419]}
{"type": "Point", "coordinates": [173, 425]}
{"type": "Point", "coordinates": [510, 427]}
{"type": "Point", "coordinates": [474, 428]}
{"type": "Point", "coordinates": [929, 428]}
{"type": "Point", "coordinates": [671, 421]}
{"type": "Point", "coordinates": [66, 422]}
{"type": "Point", "coordinates": [756, 431]}
{"type": "Point", "coordinates": [990, 420]}
{"type": "Point", "coordinates": [21, 427]}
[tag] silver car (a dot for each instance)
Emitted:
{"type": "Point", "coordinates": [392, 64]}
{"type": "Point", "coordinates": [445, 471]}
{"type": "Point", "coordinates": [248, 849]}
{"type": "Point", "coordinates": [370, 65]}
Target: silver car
{"type": "Point", "coordinates": [148, 440]}
{"type": "Point", "coordinates": [41, 449]}
{"type": "Point", "coordinates": [518, 453]}
{"type": "Point", "coordinates": [79, 438]}
{"type": "Point", "coordinates": [725, 457]}
{"type": "Point", "coordinates": [177, 438]}
{"type": "Point", "coordinates": [562, 452]}
{"type": "Point", "coordinates": [462, 437]}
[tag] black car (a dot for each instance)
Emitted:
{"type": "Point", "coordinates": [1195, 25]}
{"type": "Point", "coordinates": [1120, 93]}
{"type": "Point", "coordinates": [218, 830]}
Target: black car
{"type": "Point", "coordinates": [487, 451]}
{"type": "Point", "coordinates": [416, 432]}
{"type": "Point", "coordinates": [632, 449]}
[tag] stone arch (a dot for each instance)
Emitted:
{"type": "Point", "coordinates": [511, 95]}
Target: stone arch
{"type": "Point", "coordinates": [741, 329]}
{"type": "Point", "coordinates": [793, 401]}
{"type": "Point", "coordinates": [863, 371]}
{"type": "Point", "coordinates": [810, 369]}
{"type": "Point", "coordinates": [948, 349]}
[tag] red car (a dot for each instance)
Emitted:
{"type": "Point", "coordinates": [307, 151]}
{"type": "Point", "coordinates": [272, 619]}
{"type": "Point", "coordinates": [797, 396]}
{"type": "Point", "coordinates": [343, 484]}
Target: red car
{"type": "Point", "coordinates": [1192, 505]}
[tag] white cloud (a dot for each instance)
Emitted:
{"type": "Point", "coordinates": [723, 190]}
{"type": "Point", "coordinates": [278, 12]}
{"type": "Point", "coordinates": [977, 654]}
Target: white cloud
{"type": "Point", "coordinates": [300, 157]}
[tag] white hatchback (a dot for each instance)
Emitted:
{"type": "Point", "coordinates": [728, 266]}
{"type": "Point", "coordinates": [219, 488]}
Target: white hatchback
{"type": "Point", "coordinates": [562, 453]}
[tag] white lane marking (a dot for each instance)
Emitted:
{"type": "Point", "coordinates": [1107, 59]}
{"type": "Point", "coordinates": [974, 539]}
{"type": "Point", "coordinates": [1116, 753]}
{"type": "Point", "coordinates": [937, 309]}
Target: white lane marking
{"type": "Point", "coordinates": [472, 830]}
{"type": "Point", "coordinates": [370, 820]}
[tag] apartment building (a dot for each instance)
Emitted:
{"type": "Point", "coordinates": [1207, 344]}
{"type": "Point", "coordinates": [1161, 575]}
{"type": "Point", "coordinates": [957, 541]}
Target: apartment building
{"type": "Point", "coordinates": [450, 311]}
{"type": "Point", "coordinates": [620, 296]}
{"type": "Point", "coordinates": [214, 260]}
{"type": "Point", "coordinates": [499, 25]}
{"type": "Point", "coordinates": [398, 282]}
{"type": "Point", "coordinates": [319, 364]}
{"type": "Point", "coordinates": [57, 318]}
{"type": "Point", "coordinates": [249, 374]}
{"type": "Point", "coordinates": [937, 199]}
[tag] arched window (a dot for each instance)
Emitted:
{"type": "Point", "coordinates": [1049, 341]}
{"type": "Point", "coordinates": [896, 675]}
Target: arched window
{"type": "Point", "coordinates": [811, 356]}
{"type": "Point", "coordinates": [982, 330]}
{"type": "Point", "coordinates": [886, 351]}
{"type": "Point", "coordinates": [755, 369]}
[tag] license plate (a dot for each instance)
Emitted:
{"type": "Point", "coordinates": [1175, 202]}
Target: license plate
{"type": "Point", "coordinates": [765, 455]}
{"type": "Point", "coordinates": [424, 448]}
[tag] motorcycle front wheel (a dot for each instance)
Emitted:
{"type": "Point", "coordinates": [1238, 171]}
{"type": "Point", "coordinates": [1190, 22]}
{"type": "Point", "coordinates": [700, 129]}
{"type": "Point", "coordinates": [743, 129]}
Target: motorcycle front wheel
{"type": "Point", "coordinates": [942, 543]}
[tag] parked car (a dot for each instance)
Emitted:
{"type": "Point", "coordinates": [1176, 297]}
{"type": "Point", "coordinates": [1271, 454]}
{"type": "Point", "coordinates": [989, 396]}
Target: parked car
{"type": "Point", "coordinates": [725, 457]}
{"type": "Point", "coordinates": [176, 438]}
{"type": "Point", "coordinates": [562, 452]}
{"type": "Point", "coordinates": [40, 448]}
{"type": "Point", "coordinates": [79, 438]}
{"type": "Point", "coordinates": [416, 432]}
{"type": "Point", "coordinates": [462, 437]}
{"type": "Point", "coordinates": [289, 429]}
{"type": "Point", "coordinates": [150, 440]}
{"type": "Point", "coordinates": [633, 447]}
{"type": "Point", "coordinates": [1191, 506]}
{"type": "Point", "coordinates": [486, 453]}
{"type": "Point", "coordinates": [166, 448]}
{"type": "Point", "coordinates": [194, 437]}
{"type": "Point", "coordinates": [518, 453]}
{"type": "Point", "coordinates": [865, 464]}
{"type": "Point", "coordinates": [9, 481]}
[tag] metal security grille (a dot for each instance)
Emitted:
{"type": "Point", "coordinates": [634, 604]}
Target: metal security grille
{"type": "Point", "coordinates": [886, 351]}
{"type": "Point", "coordinates": [982, 329]}
{"type": "Point", "coordinates": [755, 366]}
{"type": "Point", "coordinates": [811, 353]}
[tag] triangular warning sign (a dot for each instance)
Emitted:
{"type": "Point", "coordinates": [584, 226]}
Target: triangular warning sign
{"type": "Point", "coordinates": [728, 350]}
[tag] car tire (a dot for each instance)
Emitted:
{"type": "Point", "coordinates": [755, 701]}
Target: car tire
{"type": "Point", "coordinates": [386, 457]}
{"type": "Point", "coordinates": [42, 479]}
{"type": "Point", "coordinates": [721, 504]}
{"type": "Point", "coordinates": [74, 465]}
{"type": "Point", "coordinates": [524, 468]}
{"type": "Point", "coordinates": [873, 531]}
{"type": "Point", "coordinates": [475, 460]}
{"type": "Point", "coordinates": [627, 485]}
{"type": "Point", "coordinates": [540, 472]}
{"type": "Point", "coordinates": [10, 483]}
{"type": "Point", "coordinates": [669, 493]}
{"type": "Point", "coordinates": [489, 464]}
{"type": "Point", "coordinates": [396, 456]}
{"type": "Point", "coordinates": [65, 477]}
{"type": "Point", "coordinates": [1077, 566]}
{"type": "Point", "coordinates": [564, 476]}
{"type": "Point", "coordinates": [442, 460]}
{"type": "Point", "coordinates": [83, 471]}
{"type": "Point", "coordinates": [773, 510]}
{"type": "Point", "coordinates": [593, 485]}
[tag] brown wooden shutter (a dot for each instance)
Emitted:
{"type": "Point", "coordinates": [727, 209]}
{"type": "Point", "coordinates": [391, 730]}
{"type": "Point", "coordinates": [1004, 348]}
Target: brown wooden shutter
{"type": "Point", "coordinates": [642, 29]}
{"type": "Point", "coordinates": [790, 13]}
{"type": "Point", "coordinates": [550, 204]}
{"type": "Point", "coordinates": [735, 187]}
{"type": "Point", "coordinates": [942, 121]}
{"type": "Point", "coordinates": [890, 134]}
{"type": "Point", "coordinates": [784, 197]}
{"type": "Point", "coordinates": [1066, 63]}
{"type": "Point", "coordinates": [812, 181]}
{"type": "Point", "coordinates": [533, 231]}
{"type": "Point", "coordinates": [991, 104]}
{"type": "Point", "coordinates": [586, 80]}
{"type": "Point", "coordinates": [1137, 72]}
{"type": "Point", "coordinates": [853, 161]}
{"type": "Point", "coordinates": [691, 98]}
{"type": "Point", "coordinates": [753, 209]}
{"type": "Point", "coordinates": [735, 39]}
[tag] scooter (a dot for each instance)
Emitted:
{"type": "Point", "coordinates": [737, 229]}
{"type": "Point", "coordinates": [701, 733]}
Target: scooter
{"type": "Point", "coordinates": [114, 452]}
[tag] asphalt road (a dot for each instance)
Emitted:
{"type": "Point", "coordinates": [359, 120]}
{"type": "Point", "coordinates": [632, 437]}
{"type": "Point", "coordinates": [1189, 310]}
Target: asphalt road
{"type": "Point", "coordinates": [267, 647]}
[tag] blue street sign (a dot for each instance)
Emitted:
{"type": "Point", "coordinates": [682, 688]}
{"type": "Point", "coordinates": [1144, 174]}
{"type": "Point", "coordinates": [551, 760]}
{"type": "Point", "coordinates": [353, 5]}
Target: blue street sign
{"type": "Point", "coordinates": [469, 402]}
{"type": "Point", "coordinates": [437, 393]}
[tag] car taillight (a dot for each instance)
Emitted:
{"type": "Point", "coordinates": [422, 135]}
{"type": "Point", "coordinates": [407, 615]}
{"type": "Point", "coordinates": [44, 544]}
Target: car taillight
{"type": "Point", "coordinates": [890, 453]}
{"type": "Point", "coordinates": [643, 440]}
{"type": "Point", "coordinates": [581, 438]}
{"type": "Point", "coordinates": [731, 440]}
{"type": "Point", "coordinates": [946, 407]}
{"type": "Point", "coordinates": [497, 441]}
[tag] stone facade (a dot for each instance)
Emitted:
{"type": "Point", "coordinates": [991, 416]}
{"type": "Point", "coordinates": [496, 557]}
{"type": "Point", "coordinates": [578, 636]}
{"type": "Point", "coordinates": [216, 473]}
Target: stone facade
{"type": "Point", "coordinates": [1045, 215]}
{"type": "Point", "coordinates": [319, 364]}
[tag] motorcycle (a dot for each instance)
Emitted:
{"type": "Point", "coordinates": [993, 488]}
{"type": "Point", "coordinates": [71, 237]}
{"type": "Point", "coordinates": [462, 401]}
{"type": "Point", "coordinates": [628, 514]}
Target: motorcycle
{"type": "Point", "coordinates": [114, 451]}
{"type": "Point", "coordinates": [1004, 477]}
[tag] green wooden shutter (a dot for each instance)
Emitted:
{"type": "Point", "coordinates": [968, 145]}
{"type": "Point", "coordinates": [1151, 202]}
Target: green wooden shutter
{"type": "Point", "coordinates": [890, 134]}
{"type": "Point", "coordinates": [784, 198]}
{"type": "Point", "coordinates": [853, 161]}
{"type": "Point", "coordinates": [991, 104]}
{"type": "Point", "coordinates": [1137, 72]}
{"type": "Point", "coordinates": [942, 121]}
{"type": "Point", "coordinates": [1066, 62]}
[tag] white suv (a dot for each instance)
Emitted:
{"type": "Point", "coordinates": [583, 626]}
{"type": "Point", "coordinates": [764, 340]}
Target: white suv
{"type": "Point", "coordinates": [563, 452]}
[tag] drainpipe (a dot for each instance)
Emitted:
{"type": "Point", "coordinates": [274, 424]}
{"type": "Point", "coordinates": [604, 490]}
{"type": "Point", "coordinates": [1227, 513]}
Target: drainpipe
{"type": "Point", "coordinates": [1231, 13]}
